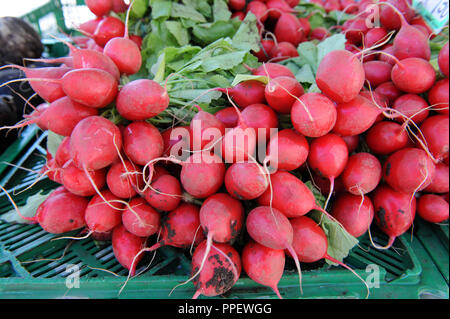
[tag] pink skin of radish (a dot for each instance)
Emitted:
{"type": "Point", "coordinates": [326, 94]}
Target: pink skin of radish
{"type": "Point", "coordinates": [201, 126]}
{"type": "Point", "coordinates": [95, 143]}
{"type": "Point", "coordinates": [126, 246]}
{"type": "Point", "coordinates": [262, 119]}
{"type": "Point", "coordinates": [176, 140]}
{"type": "Point", "coordinates": [122, 179]}
{"type": "Point", "coordinates": [328, 157]}
{"type": "Point", "coordinates": [62, 155]}
{"type": "Point", "coordinates": [362, 174]}
{"type": "Point", "coordinates": [259, 9]}
{"type": "Point", "coordinates": [246, 181]}
{"type": "Point", "coordinates": [109, 28]}
{"type": "Point", "coordinates": [263, 54]}
{"type": "Point", "coordinates": [283, 51]}
{"type": "Point", "coordinates": [141, 99]}
{"type": "Point", "coordinates": [352, 142]}
{"type": "Point", "coordinates": [246, 93]}
{"type": "Point", "coordinates": [306, 26]}
{"type": "Point", "coordinates": [287, 150]}
{"type": "Point", "coordinates": [99, 7]}
{"type": "Point", "coordinates": [438, 96]}
{"type": "Point", "coordinates": [286, 190]}
{"type": "Point", "coordinates": [289, 29]}
{"type": "Point", "coordinates": [386, 137]}
{"type": "Point", "coordinates": [356, 116]}
{"type": "Point", "coordinates": [432, 208]}
{"type": "Point", "coordinates": [165, 194]}
{"type": "Point", "coordinates": [355, 30]}
{"type": "Point", "coordinates": [435, 129]}
{"type": "Point", "coordinates": [440, 180]}
{"type": "Point", "coordinates": [374, 36]}
{"type": "Point", "coordinates": [119, 6]}
{"type": "Point", "coordinates": [443, 58]}
{"type": "Point", "coordinates": [263, 265]}
{"type": "Point", "coordinates": [228, 116]}
{"type": "Point", "coordinates": [237, 5]}
{"type": "Point", "coordinates": [389, 91]}
{"type": "Point", "coordinates": [377, 72]}
{"type": "Point", "coordinates": [390, 19]}
{"type": "Point", "coordinates": [404, 75]}
{"type": "Point", "coordinates": [278, 8]}
{"type": "Point", "coordinates": [142, 142]}
{"type": "Point", "coordinates": [281, 93]}
{"type": "Point", "coordinates": [394, 212]}
{"type": "Point", "coordinates": [270, 228]}
{"type": "Point", "coordinates": [142, 220]}
{"type": "Point", "coordinates": [76, 181]}
{"type": "Point", "coordinates": [314, 115]}
{"type": "Point", "coordinates": [272, 70]}
{"type": "Point", "coordinates": [217, 275]}
{"type": "Point", "coordinates": [354, 214]}
{"type": "Point", "coordinates": [412, 106]}
{"type": "Point", "coordinates": [340, 76]}
{"type": "Point", "coordinates": [319, 33]}
{"type": "Point", "coordinates": [408, 170]}
{"type": "Point", "coordinates": [89, 26]}
{"type": "Point", "coordinates": [102, 217]}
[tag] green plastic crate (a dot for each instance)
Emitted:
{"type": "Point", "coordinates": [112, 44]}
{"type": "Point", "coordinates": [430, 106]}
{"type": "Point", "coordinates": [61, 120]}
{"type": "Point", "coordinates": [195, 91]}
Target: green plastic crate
{"type": "Point", "coordinates": [409, 271]}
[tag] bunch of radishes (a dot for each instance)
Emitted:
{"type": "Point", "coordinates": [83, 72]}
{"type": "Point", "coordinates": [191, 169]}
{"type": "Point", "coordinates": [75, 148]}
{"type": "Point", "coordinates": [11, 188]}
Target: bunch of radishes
{"type": "Point", "coordinates": [204, 186]}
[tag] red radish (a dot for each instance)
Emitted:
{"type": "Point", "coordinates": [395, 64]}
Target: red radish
{"type": "Point", "coordinates": [136, 39]}
{"type": "Point", "coordinates": [355, 30]}
{"type": "Point", "coordinates": [101, 216]}
{"type": "Point", "coordinates": [261, 118]}
{"type": "Point", "coordinates": [289, 29]}
{"type": "Point", "coordinates": [404, 75]}
{"type": "Point", "coordinates": [202, 174]}
{"type": "Point", "coordinates": [277, 8]}
{"type": "Point", "coordinates": [356, 116]}
{"type": "Point", "coordinates": [102, 236]}
{"type": "Point", "coordinates": [432, 208]}
{"type": "Point", "coordinates": [206, 129]}
{"type": "Point", "coordinates": [78, 182]}
{"type": "Point", "coordinates": [438, 96]}
{"type": "Point", "coordinates": [319, 33]}
{"type": "Point", "coordinates": [141, 99]}
{"type": "Point", "coordinates": [283, 51]}
{"type": "Point", "coordinates": [287, 150]}
{"type": "Point", "coordinates": [272, 70]}
{"type": "Point", "coordinates": [124, 52]}
{"type": "Point", "coordinates": [443, 60]}
{"type": "Point", "coordinates": [408, 170]}
{"type": "Point", "coordinates": [284, 194]}
{"type": "Point", "coordinates": [259, 9]}
{"type": "Point", "coordinates": [239, 15]}
{"type": "Point", "coordinates": [126, 246]}
{"type": "Point", "coordinates": [269, 227]}
{"type": "Point", "coordinates": [95, 143]}
{"type": "Point", "coordinates": [263, 264]}
{"type": "Point", "coordinates": [237, 5]}
{"type": "Point", "coordinates": [352, 142]}
{"type": "Point", "coordinates": [313, 115]}
{"type": "Point", "coordinates": [52, 170]}
{"type": "Point", "coordinates": [377, 72]}
{"type": "Point", "coordinates": [50, 90]}
{"type": "Point", "coordinates": [328, 157]}
{"type": "Point", "coordinates": [246, 181]}
{"type": "Point", "coordinates": [180, 228]}
{"type": "Point", "coordinates": [440, 180]}
{"type": "Point", "coordinates": [246, 93]}
{"type": "Point", "coordinates": [281, 93]}
{"type": "Point", "coordinates": [62, 154]}
{"type": "Point", "coordinates": [305, 25]}
{"type": "Point", "coordinates": [89, 26]}
{"type": "Point", "coordinates": [228, 116]}
{"type": "Point", "coordinates": [292, 3]}
{"type": "Point", "coordinates": [142, 142]}
{"type": "Point", "coordinates": [165, 193]}
{"type": "Point", "coordinates": [90, 87]}
{"type": "Point", "coordinates": [122, 178]}
{"type": "Point", "coordinates": [389, 57]}
{"type": "Point", "coordinates": [391, 19]}
{"type": "Point", "coordinates": [394, 212]}
{"type": "Point", "coordinates": [361, 174]}
{"type": "Point", "coordinates": [412, 106]}
{"type": "Point", "coordinates": [340, 76]}
{"type": "Point", "coordinates": [435, 129]}
{"type": "Point", "coordinates": [176, 140]}
{"type": "Point", "coordinates": [140, 219]}
{"type": "Point", "coordinates": [99, 7]}
{"type": "Point", "coordinates": [216, 272]}
{"type": "Point", "coordinates": [386, 137]}
{"type": "Point", "coordinates": [389, 91]}
{"type": "Point", "coordinates": [119, 6]}
{"type": "Point", "coordinates": [374, 36]}
{"type": "Point", "coordinates": [354, 214]}
{"type": "Point", "coordinates": [266, 47]}
{"type": "Point", "coordinates": [109, 28]}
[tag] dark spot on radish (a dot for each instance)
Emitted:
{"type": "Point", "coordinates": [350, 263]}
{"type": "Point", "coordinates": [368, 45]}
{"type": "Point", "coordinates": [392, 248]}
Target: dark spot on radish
{"type": "Point", "coordinates": [222, 280]}
{"type": "Point", "coordinates": [401, 211]}
{"type": "Point", "coordinates": [217, 258]}
{"type": "Point", "coordinates": [234, 230]}
{"type": "Point", "coordinates": [71, 220]}
{"type": "Point", "coordinates": [195, 279]}
{"type": "Point", "coordinates": [382, 217]}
